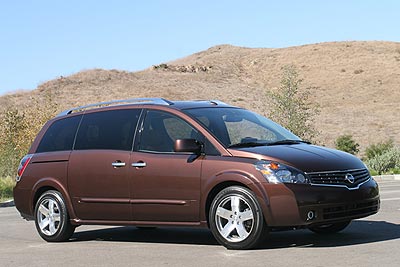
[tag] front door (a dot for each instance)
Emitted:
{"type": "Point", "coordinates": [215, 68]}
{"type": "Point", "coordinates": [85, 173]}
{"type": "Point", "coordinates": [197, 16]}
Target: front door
{"type": "Point", "coordinates": [165, 184]}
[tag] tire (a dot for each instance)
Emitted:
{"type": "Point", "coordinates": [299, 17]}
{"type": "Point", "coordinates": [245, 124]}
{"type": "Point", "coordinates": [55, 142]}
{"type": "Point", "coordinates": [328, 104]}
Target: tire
{"type": "Point", "coordinates": [329, 228]}
{"type": "Point", "coordinates": [51, 217]}
{"type": "Point", "coordinates": [236, 218]}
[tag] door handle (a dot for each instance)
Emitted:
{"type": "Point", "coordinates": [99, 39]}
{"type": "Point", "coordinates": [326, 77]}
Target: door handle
{"type": "Point", "coordinates": [118, 164]}
{"type": "Point", "coordinates": [139, 164]}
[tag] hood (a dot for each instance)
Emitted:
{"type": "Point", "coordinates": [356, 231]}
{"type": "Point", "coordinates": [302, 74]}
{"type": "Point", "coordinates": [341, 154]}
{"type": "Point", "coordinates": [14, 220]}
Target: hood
{"type": "Point", "coordinates": [308, 158]}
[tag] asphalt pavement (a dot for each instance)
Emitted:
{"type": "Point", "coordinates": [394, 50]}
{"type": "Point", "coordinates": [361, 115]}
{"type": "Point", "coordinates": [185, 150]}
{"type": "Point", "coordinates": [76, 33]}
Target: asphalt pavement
{"type": "Point", "coordinates": [371, 241]}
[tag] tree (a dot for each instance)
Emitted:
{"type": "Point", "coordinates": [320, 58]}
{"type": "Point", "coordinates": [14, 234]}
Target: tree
{"type": "Point", "coordinates": [347, 144]}
{"type": "Point", "coordinates": [12, 127]}
{"type": "Point", "coordinates": [18, 128]}
{"type": "Point", "coordinates": [291, 106]}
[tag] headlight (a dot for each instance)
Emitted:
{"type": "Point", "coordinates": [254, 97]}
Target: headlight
{"type": "Point", "coordinates": [279, 173]}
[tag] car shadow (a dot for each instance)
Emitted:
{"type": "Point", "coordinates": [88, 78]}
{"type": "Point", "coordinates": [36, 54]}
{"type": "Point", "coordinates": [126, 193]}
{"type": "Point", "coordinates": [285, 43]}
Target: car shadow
{"type": "Point", "coordinates": [166, 235]}
{"type": "Point", "coordinates": [359, 232]}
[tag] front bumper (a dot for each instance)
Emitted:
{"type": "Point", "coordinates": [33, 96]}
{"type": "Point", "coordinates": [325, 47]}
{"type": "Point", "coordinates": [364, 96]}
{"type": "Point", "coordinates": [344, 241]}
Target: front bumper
{"type": "Point", "coordinates": [304, 205]}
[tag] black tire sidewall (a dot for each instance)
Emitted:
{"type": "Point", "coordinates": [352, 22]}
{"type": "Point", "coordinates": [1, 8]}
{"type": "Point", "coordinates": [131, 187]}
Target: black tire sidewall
{"type": "Point", "coordinates": [64, 229]}
{"type": "Point", "coordinates": [258, 230]}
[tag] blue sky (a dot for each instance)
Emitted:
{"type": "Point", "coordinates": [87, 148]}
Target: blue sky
{"type": "Point", "coordinates": [42, 40]}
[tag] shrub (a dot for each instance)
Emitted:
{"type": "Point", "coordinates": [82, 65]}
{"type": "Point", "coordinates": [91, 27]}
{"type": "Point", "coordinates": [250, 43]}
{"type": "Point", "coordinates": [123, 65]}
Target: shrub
{"type": "Point", "coordinates": [347, 144]}
{"type": "Point", "coordinates": [373, 172]}
{"type": "Point", "coordinates": [384, 162]}
{"type": "Point", "coordinates": [358, 71]}
{"type": "Point", "coordinates": [292, 108]}
{"type": "Point", "coordinates": [378, 149]}
{"type": "Point", "coordinates": [162, 66]}
{"type": "Point", "coordinates": [6, 187]}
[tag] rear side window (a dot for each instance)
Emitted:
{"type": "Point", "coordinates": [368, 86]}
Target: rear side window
{"type": "Point", "coordinates": [112, 129]}
{"type": "Point", "coordinates": [60, 135]}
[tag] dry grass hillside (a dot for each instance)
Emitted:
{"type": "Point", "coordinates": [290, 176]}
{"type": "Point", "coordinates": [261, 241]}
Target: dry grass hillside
{"type": "Point", "coordinates": [355, 83]}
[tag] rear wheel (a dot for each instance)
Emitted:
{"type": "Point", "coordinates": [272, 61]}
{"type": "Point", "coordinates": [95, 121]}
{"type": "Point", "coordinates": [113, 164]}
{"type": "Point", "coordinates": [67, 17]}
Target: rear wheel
{"type": "Point", "coordinates": [51, 217]}
{"type": "Point", "coordinates": [330, 228]}
{"type": "Point", "coordinates": [236, 219]}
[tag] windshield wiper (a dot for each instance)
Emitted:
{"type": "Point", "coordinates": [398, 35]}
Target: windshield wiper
{"type": "Point", "coordinates": [287, 142]}
{"type": "Point", "coordinates": [248, 144]}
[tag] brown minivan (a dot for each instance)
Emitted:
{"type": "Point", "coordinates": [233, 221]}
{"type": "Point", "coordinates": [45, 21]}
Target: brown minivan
{"type": "Point", "coordinates": [153, 162]}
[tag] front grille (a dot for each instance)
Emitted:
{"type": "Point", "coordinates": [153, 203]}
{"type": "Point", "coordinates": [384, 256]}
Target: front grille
{"type": "Point", "coordinates": [349, 178]}
{"type": "Point", "coordinates": [351, 210]}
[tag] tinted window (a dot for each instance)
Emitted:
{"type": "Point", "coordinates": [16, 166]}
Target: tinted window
{"type": "Point", "coordinates": [60, 135]}
{"type": "Point", "coordinates": [161, 129]}
{"type": "Point", "coordinates": [112, 129]}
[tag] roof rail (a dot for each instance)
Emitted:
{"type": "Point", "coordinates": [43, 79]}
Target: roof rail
{"type": "Point", "coordinates": [217, 102]}
{"type": "Point", "coordinates": [157, 101]}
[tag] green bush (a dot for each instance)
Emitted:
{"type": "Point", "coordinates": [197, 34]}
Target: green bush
{"type": "Point", "coordinates": [373, 172]}
{"type": "Point", "coordinates": [6, 188]}
{"type": "Point", "coordinates": [384, 162]}
{"type": "Point", "coordinates": [395, 170]}
{"type": "Point", "coordinates": [347, 144]}
{"type": "Point", "coordinates": [378, 149]}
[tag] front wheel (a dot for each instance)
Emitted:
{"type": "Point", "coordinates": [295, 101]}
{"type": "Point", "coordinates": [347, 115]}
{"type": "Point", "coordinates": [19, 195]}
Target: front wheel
{"type": "Point", "coordinates": [330, 228]}
{"type": "Point", "coordinates": [51, 217]}
{"type": "Point", "coordinates": [236, 218]}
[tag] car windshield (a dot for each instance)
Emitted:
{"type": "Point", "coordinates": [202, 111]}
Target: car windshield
{"type": "Point", "coordinates": [235, 127]}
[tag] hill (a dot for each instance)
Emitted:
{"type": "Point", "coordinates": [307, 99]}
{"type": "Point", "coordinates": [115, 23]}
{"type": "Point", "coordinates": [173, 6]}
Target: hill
{"type": "Point", "coordinates": [356, 84]}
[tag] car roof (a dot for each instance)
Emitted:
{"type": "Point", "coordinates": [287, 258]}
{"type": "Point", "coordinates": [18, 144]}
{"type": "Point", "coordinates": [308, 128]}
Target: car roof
{"type": "Point", "coordinates": [181, 105]}
{"type": "Point", "coordinates": [199, 104]}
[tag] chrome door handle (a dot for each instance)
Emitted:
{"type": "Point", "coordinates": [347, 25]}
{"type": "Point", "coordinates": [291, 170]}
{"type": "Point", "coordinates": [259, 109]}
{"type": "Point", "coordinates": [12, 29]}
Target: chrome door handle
{"type": "Point", "coordinates": [139, 164]}
{"type": "Point", "coordinates": [118, 164]}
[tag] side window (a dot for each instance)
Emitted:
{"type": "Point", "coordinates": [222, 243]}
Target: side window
{"type": "Point", "coordinates": [60, 135]}
{"type": "Point", "coordinates": [161, 129]}
{"type": "Point", "coordinates": [112, 129]}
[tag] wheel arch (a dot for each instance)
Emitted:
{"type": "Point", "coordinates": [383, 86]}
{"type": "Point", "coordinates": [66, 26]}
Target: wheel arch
{"type": "Point", "coordinates": [228, 179]}
{"type": "Point", "coordinates": [46, 184]}
{"type": "Point", "coordinates": [214, 191]}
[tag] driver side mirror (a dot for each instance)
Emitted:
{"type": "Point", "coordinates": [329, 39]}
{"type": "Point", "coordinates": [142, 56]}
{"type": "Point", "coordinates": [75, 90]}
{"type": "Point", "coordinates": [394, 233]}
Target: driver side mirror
{"type": "Point", "coordinates": [188, 145]}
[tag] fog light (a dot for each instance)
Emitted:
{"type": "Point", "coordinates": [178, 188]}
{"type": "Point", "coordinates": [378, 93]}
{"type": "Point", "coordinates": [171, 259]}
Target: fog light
{"type": "Point", "coordinates": [310, 215]}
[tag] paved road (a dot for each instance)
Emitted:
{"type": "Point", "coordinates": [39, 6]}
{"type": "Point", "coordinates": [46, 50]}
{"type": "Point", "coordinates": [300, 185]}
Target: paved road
{"type": "Point", "coordinates": [373, 241]}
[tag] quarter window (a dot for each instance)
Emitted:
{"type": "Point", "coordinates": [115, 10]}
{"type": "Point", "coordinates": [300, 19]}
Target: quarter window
{"type": "Point", "coordinates": [60, 135]}
{"type": "Point", "coordinates": [112, 129]}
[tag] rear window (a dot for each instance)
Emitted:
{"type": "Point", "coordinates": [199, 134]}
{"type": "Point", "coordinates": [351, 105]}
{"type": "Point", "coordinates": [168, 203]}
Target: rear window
{"type": "Point", "coordinates": [112, 129]}
{"type": "Point", "coordinates": [60, 135]}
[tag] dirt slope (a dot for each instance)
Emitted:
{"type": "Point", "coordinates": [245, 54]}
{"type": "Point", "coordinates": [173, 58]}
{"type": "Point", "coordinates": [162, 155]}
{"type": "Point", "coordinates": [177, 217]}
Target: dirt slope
{"type": "Point", "coordinates": [355, 83]}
